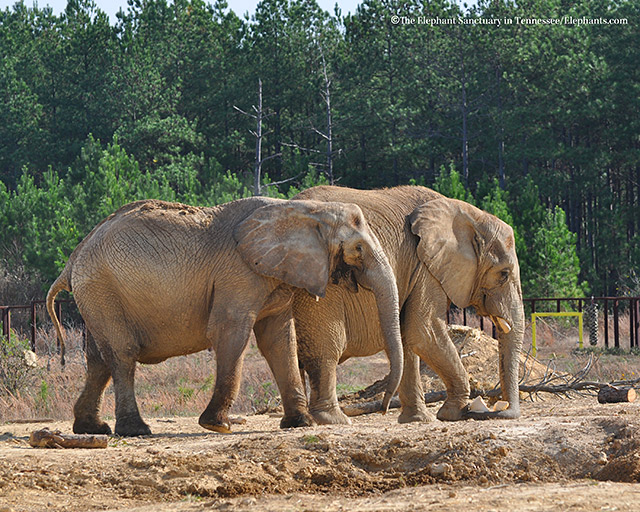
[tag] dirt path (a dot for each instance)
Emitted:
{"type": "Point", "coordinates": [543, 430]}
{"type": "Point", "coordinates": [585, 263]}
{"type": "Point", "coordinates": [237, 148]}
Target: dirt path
{"type": "Point", "coordinates": [548, 459]}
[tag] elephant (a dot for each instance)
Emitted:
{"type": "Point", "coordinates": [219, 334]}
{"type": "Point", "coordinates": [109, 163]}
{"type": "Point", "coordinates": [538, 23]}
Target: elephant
{"type": "Point", "coordinates": [441, 250]}
{"type": "Point", "coordinates": [156, 280]}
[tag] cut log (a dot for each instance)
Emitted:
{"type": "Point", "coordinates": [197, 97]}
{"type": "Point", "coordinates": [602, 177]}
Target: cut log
{"type": "Point", "coordinates": [46, 438]}
{"type": "Point", "coordinates": [613, 394]}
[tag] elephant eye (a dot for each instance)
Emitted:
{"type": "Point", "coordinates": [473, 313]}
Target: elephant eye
{"type": "Point", "coordinates": [504, 275]}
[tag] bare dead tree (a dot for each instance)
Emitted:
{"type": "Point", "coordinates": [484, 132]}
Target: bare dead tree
{"type": "Point", "coordinates": [259, 116]}
{"type": "Point", "coordinates": [327, 135]}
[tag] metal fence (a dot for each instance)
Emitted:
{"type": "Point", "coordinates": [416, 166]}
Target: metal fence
{"type": "Point", "coordinates": [32, 309]}
{"type": "Point", "coordinates": [612, 308]}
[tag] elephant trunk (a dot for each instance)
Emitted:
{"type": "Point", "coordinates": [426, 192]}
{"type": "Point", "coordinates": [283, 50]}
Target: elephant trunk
{"type": "Point", "coordinates": [510, 344]}
{"type": "Point", "coordinates": [380, 279]}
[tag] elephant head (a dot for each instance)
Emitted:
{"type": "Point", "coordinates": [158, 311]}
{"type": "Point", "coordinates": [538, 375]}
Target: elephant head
{"type": "Point", "coordinates": [307, 243]}
{"type": "Point", "coordinates": [472, 255]}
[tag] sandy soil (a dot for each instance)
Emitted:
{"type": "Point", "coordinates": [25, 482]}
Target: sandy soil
{"type": "Point", "coordinates": [571, 454]}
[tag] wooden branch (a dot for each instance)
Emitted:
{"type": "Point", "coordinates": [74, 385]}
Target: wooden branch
{"type": "Point", "coordinates": [274, 183]}
{"type": "Point", "coordinates": [245, 113]}
{"type": "Point", "coordinates": [614, 394]}
{"type": "Point", "coordinates": [275, 155]}
{"type": "Point", "coordinates": [45, 438]}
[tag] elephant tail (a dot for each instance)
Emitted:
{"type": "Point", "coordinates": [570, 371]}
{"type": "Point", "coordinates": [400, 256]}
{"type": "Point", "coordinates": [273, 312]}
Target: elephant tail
{"type": "Point", "coordinates": [62, 283]}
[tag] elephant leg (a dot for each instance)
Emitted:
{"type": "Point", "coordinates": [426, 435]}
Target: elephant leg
{"type": "Point", "coordinates": [411, 392]}
{"type": "Point", "coordinates": [276, 339]}
{"type": "Point", "coordinates": [118, 350]}
{"type": "Point", "coordinates": [128, 419]}
{"type": "Point", "coordinates": [323, 403]}
{"type": "Point", "coordinates": [229, 360]}
{"type": "Point", "coordinates": [425, 332]}
{"type": "Point", "coordinates": [87, 408]}
{"type": "Point", "coordinates": [439, 352]}
{"type": "Point", "coordinates": [229, 328]}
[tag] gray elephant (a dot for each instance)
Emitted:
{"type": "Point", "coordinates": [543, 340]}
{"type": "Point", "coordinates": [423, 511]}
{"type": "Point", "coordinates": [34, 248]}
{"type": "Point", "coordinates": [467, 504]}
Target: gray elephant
{"type": "Point", "coordinates": [441, 250]}
{"type": "Point", "coordinates": [156, 280]}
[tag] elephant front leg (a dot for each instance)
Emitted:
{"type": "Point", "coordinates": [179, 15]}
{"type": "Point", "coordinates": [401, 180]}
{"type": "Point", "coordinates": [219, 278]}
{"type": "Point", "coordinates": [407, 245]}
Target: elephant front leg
{"type": "Point", "coordinates": [229, 329]}
{"type": "Point", "coordinates": [439, 352]}
{"type": "Point", "coordinates": [323, 404]}
{"type": "Point", "coordinates": [424, 331]}
{"type": "Point", "coordinates": [276, 340]}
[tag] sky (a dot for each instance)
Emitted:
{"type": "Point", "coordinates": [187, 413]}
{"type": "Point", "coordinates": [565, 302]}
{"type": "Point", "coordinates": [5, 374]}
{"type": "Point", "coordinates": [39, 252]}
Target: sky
{"type": "Point", "coordinates": [240, 7]}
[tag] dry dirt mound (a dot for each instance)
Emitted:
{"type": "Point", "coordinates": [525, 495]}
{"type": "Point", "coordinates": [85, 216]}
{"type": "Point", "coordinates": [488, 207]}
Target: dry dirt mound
{"type": "Point", "coordinates": [479, 353]}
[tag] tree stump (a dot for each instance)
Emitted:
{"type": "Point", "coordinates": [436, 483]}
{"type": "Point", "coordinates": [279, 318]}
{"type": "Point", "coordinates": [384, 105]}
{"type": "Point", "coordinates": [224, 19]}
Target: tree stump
{"type": "Point", "coordinates": [46, 438]}
{"type": "Point", "coordinates": [612, 395]}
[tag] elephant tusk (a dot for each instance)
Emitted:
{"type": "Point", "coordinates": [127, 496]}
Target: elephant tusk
{"type": "Point", "coordinates": [317, 299]}
{"type": "Point", "coordinates": [502, 324]}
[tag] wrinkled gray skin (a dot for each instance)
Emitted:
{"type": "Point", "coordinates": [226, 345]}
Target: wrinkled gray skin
{"type": "Point", "coordinates": [156, 280]}
{"type": "Point", "coordinates": [441, 251]}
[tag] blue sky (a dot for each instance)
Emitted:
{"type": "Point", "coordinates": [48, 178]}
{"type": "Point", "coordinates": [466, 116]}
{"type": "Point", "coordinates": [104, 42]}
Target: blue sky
{"type": "Point", "coordinates": [111, 7]}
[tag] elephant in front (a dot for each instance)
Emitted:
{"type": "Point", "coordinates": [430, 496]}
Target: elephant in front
{"type": "Point", "coordinates": [441, 251]}
{"type": "Point", "coordinates": [156, 280]}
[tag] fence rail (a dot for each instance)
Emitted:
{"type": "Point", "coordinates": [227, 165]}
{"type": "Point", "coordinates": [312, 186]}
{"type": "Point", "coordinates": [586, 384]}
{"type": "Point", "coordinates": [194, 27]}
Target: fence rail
{"type": "Point", "coordinates": [611, 308]}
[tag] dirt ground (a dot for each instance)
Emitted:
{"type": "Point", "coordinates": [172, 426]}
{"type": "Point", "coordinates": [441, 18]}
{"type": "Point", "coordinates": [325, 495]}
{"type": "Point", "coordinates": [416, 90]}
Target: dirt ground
{"type": "Point", "coordinates": [572, 454]}
{"type": "Point", "coordinates": [577, 454]}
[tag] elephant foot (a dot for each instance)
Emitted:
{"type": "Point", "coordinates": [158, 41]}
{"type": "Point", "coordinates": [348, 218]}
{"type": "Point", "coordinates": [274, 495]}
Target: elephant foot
{"type": "Point", "coordinates": [216, 423]}
{"type": "Point", "coordinates": [91, 427]}
{"type": "Point", "coordinates": [333, 416]}
{"type": "Point", "coordinates": [413, 416]}
{"type": "Point", "coordinates": [451, 412]}
{"type": "Point", "coordinates": [301, 420]}
{"type": "Point", "coordinates": [132, 426]}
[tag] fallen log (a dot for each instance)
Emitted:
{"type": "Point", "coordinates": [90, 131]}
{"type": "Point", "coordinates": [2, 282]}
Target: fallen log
{"type": "Point", "coordinates": [431, 397]}
{"type": "Point", "coordinates": [46, 438]}
{"type": "Point", "coordinates": [614, 394]}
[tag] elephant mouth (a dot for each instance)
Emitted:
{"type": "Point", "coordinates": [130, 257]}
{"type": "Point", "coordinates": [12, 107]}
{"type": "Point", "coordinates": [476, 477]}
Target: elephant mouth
{"type": "Point", "coordinates": [503, 326]}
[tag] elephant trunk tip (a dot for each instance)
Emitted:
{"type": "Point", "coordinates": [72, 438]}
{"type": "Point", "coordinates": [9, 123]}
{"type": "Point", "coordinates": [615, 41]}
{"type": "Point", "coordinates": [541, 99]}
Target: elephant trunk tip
{"type": "Point", "coordinates": [384, 409]}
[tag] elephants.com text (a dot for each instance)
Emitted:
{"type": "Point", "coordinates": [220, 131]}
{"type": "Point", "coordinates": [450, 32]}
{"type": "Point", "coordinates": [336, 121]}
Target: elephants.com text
{"type": "Point", "coordinates": [516, 20]}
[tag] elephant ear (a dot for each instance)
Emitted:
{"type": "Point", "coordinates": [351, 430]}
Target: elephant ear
{"type": "Point", "coordinates": [282, 240]}
{"type": "Point", "coordinates": [448, 246]}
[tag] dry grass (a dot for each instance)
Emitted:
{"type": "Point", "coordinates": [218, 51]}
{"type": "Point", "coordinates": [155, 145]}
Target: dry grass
{"type": "Point", "coordinates": [183, 386]}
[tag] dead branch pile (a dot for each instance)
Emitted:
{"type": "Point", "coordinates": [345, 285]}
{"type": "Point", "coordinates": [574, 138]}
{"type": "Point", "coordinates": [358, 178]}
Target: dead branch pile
{"type": "Point", "coordinates": [536, 377]}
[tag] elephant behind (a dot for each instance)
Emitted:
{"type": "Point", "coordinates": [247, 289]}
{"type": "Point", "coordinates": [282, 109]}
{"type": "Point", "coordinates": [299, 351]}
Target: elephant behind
{"type": "Point", "coordinates": [441, 251]}
{"type": "Point", "coordinates": [156, 280]}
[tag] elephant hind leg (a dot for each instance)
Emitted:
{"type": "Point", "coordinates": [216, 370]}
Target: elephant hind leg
{"type": "Point", "coordinates": [87, 407]}
{"type": "Point", "coordinates": [117, 350]}
{"type": "Point", "coordinates": [411, 393]}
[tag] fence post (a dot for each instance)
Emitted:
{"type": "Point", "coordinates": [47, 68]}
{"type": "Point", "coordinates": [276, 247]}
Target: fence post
{"type": "Point", "coordinates": [631, 321]}
{"type": "Point", "coordinates": [606, 323]}
{"type": "Point", "coordinates": [6, 322]}
{"type": "Point", "coordinates": [591, 311]}
{"type": "Point", "coordinates": [616, 327]}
